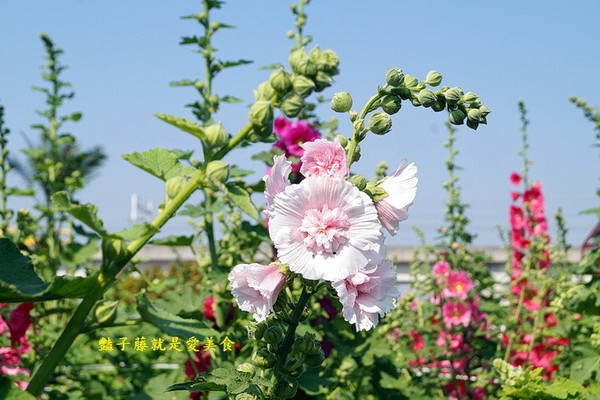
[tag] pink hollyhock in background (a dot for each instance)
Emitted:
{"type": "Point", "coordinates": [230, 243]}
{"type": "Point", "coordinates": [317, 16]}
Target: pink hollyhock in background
{"type": "Point", "coordinates": [256, 287]}
{"type": "Point", "coordinates": [325, 228]}
{"type": "Point", "coordinates": [458, 285]}
{"type": "Point", "coordinates": [324, 158]}
{"type": "Point", "coordinates": [292, 135]}
{"type": "Point", "coordinates": [441, 267]}
{"type": "Point", "coordinates": [401, 188]}
{"type": "Point", "coordinates": [368, 295]}
{"type": "Point", "coordinates": [455, 314]}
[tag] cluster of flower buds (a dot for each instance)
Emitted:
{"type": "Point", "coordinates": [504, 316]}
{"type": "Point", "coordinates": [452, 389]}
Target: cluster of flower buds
{"type": "Point", "coordinates": [460, 105]}
{"type": "Point", "coordinates": [304, 350]}
{"type": "Point", "coordinates": [311, 72]}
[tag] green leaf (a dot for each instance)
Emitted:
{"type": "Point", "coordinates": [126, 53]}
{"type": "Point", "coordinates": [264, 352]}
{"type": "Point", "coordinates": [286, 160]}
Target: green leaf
{"type": "Point", "coordinates": [19, 282]}
{"type": "Point", "coordinates": [241, 198]}
{"type": "Point", "coordinates": [272, 66]}
{"type": "Point", "coordinates": [169, 323]}
{"type": "Point", "coordinates": [21, 192]}
{"type": "Point", "coordinates": [86, 213]}
{"type": "Point", "coordinates": [231, 99]}
{"type": "Point", "coordinates": [135, 232]}
{"type": "Point", "coordinates": [583, 368]}
{"type": "Point", "coordinates": [174, 240]}
{"type": "Point", "coordinates": [184, 124]}
{"type": "Point", "coordinates": [193, 211]}
{"type": "Point", "coordinates": [162, 163]}
{"type": "Point", "coordinates": [183, 82]}
{"type": "Point", "coordinates": [591, 211]}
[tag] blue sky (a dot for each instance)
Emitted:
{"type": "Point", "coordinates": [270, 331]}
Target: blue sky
{"type": "Point", "coordinates": [123, 54]}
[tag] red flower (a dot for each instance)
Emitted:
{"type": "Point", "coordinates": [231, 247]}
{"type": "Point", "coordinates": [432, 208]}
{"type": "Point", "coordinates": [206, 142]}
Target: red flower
{"type": "Point", "coordinates": [515, 178]}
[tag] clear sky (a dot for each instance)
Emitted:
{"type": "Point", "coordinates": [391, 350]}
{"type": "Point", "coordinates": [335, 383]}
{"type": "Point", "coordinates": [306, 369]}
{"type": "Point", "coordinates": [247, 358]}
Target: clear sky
{"type": "Point", "coordinates": [123, 54]}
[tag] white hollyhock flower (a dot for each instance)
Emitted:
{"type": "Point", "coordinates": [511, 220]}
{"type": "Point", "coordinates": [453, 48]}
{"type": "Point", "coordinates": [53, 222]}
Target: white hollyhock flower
{"type": "Point", "coordinates": [401, 188]}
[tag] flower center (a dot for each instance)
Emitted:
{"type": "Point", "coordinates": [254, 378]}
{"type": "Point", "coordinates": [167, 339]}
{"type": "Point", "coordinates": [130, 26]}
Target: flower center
{"type": "Point", "coordinates": [325, 230]}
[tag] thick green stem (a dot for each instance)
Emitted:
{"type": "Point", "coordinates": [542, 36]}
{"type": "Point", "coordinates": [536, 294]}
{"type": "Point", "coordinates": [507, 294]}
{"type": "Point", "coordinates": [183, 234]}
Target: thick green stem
{"type": "Point", "coordinates": [105, 279]}
{"type": "Point", "coordinates": [210, 230]}
{"type": "Point", "coordinates": [359, 134]}
{"type": "Point", "coordinates": [234, 141]}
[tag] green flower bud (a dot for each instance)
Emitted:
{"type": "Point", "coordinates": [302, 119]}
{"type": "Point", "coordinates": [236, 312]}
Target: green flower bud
{"type": "Point", "coordinates": [453, 95]}
{"type": "Point", "coordinates": [215, 135]}
{"type": "Point", "coordinates": [415, 101]}
{"type": "Point", "coordinates": [359, 125]}
{"type": "Point", "coordinates": [280, 81]}
{"type": "Point", "coordinates": [246, 367]}
{"type": "Point", "coordinates": [469, 97]}
{"type": "Point", "coordinates": [341, 102]}
{"type": "Point", "coordinates": [484, 111]}
{"type": "Point", "coordinates": [199, 85]}
{"type": "Point", "coordinates": [273, 334]}
{"type": "Point", "coordinates": [391, 104]}
{"type": "Point", "coordinates": [380, 123]}
{"type": "Point", "coordinates": [113, 250]}
{"type": "Point", "coordinates": [303, 85]}
{"type": "Point", "coordinates": [105, 312]}
{"type": "Point", "coordinates": [301, 63]}
{"type": "Point", "coordinates": [359, 181]}
{"type": "Point", "coordinates": [394, 77]}
{"type": "Point", "coordinates": [474, 114]}
{"type": "Point", "coordinates": [457, 117]}
{"type": "Point", "coordinates": [427, 98]}
{"type": "Point", "coordinates": [173, 186]}
{"type": "Point", "coordinates": [316, 359]}
{"type": "Point", "coordinates": [292, 105]}
{"type": "Point", "coordinates": [356, 155]}
{"type": "Point", "coordinates": [404, 93]}
{"type": "Point", "coordinates": [286, 390]}
{"type": "Point", "coordinates": [265, 92]}
{"type": "Point", "coordinates": [433, 78]}
{"type": "Point", "coordinates": [322, 81]}
{"type": "Point", "coordinates": [261, 114]}
{"type": "Point", "coordinates": [218, 171]}
{"type": "Point", "coordinates": [329, 62]}
{"type": "Point", "coordinates": [343, 140]}
{"type": "Point", "coordinates": [439, 105]}
{"type": "Point", "coordinates": [260, 330]}
{"type": "Point", "coordinates": [246, 396]}
{"type": "Point", "coordinates": [472, 124]}
{"type": "Point", "coordinates": [375, 192]}
{"type": "Point", "coordinates": [263, 359]}
{"type": "Point", "coordinates": [410, 81]}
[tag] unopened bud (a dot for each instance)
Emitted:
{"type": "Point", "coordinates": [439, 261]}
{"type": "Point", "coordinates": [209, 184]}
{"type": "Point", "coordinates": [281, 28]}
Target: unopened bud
{"type": "Point", "coordinates": [105, 312]}
{"type": "Point", "coordinates": [246, 367]}
{"type": "Point", "coordinates": [260, 330]}
{"type": "Point", "coordinates": [261, 114]}
{"type": "Point", "coordinates": [391, 104]}
{"type": "Point", "coordinates": [280, 81]}
{"type": "Point", "coordinates": [292, 105]}
{"type": "Point", "coordinates": [469, 97]}
{"type": "Point", "coordinates": [433, 78]}
{"type": "Point", "coordinates": [341, 102]}
{"type": "Point", "coordinates": [218, 170]}
{"type": "Point", "coordinates": [474, 114]}
{"type": "Point", "coordinates": [322, 81]}
{"type": "Point", "coordinates": [394, 77]}
{"type": "Point", "coordinates": [439, 105]}
{"type": "Point", "coordinates": [343, 140]}
{"type": "Point", "coordinates": [301, 63]}
{"type": "Point", "coordinates": [173, 186]}
{"type": "Point", "coordinates": [316, 359]}
{"type": "Point", "coordinates": [273, 334]}
{"type": "Point", "coordinates": [359, 125]}
{"type": "Point", "coordinates": [453, 95]}
{"type": "Point", "coordinates": [457, 117]}
{"type": "Point", "coordinates": [410, 81]}
{"type": "Point", "coordinates": [246, 396]}
{"type": "Point", "coordinates": [359, 181]}
{"type": "Point", "coordinates": [380, 123]}
{"type": "Point", "coordinates": [427, 98]}
{"type": "Point", "coordinates": [113, 250]}
{"type": "Point", "coordinates": [216, 136]}
{"type": "Point", "coordinates": [263, 359]}
{"type": "Point", "coordinates": [303, 85]}
{"type": "Point", "coordinates": [484, 111]}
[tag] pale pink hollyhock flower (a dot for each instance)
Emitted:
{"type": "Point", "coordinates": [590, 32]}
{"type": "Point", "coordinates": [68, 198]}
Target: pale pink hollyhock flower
{"type": "Point", "coordinates": [368, 295]}
{"type": "Point", "coordinates": [401, 188]}
{"type": "Point", "coordinates": [441, 268]}
{"type": "Point", "coordinates": [455, 314]}
{"type": "Point", "coordinates": [256, 287]}
{"type": "Point", "coordinates": [324, 158]}
{"type": "Point", "coordinates": [458, 285]}
{"type": "Point", "coordinates": [325, 228]}
{"type": "Point", "coordinates": [276, 180]}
